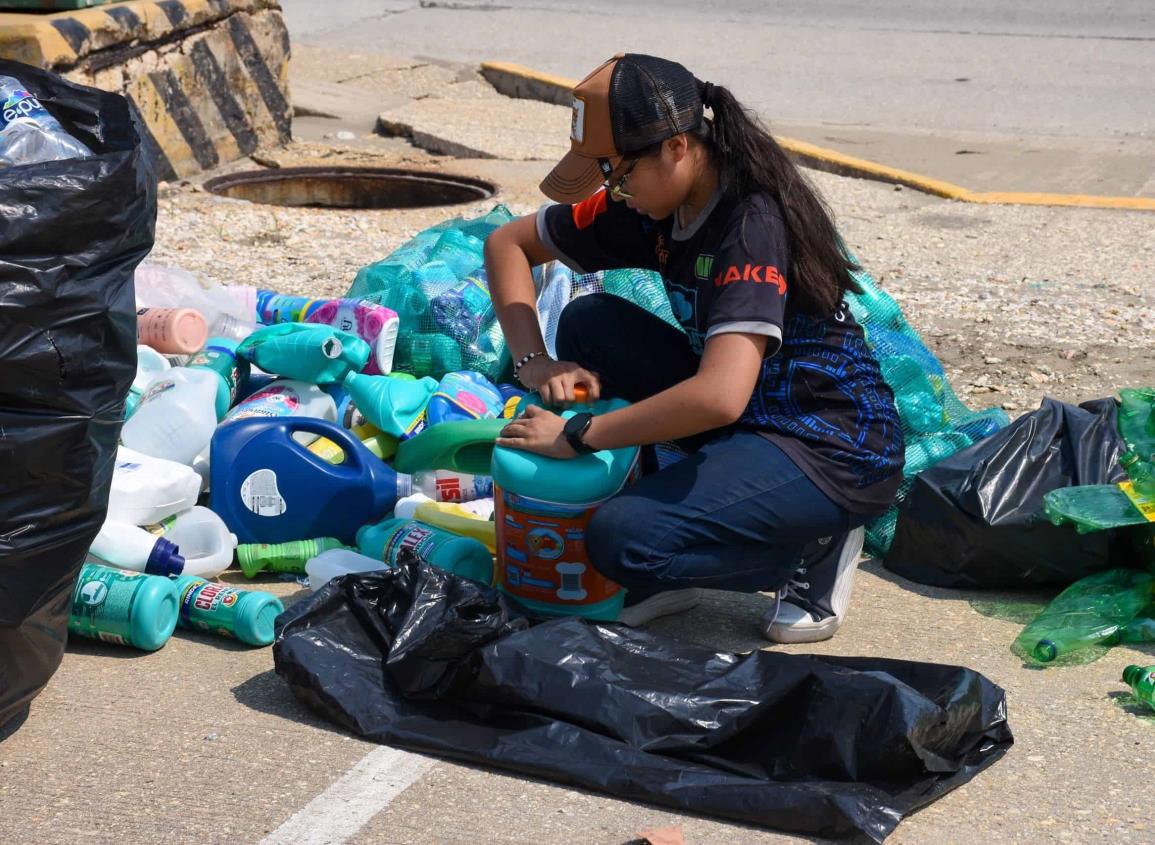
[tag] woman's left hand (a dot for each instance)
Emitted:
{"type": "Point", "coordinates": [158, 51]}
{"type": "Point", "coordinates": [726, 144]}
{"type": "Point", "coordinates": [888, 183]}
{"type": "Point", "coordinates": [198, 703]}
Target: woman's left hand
{"type": "Point", "coordinates": [537, 430]}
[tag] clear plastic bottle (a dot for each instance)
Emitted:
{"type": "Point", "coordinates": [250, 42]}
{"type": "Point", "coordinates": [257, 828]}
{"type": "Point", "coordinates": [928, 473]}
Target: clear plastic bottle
{"type": "Point", "coordinates": [336, 562]}
{"type": "Point", "coordinates": [229, 311]}
{"type": "Point", "coordinates": [28, 132]}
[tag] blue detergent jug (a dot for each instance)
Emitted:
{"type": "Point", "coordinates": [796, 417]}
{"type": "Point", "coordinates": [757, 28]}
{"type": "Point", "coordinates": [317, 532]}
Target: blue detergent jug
{"type": "Point", "coordinates": [464, 395]}
{"type": "Point", "coordinates": [268, 488]}
{"type": "Point", "coordinates": [543, 506]}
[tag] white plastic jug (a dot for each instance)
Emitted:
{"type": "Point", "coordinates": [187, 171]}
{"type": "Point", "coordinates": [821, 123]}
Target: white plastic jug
{"type": "Point", "coordinates": [147, 489]}
{"type": "Point", "coordinates": [176, 416]}
{"type": "Point", "coordinates": [129, 547]}
{"type": "Point", "coordinates": [286, 398]}
{"type": "Point", "coordinates": [149, 365]}
{"type": "Point", "coordinates": [205, 542]}
{"type": "Point", "coordinates": [328, 565]}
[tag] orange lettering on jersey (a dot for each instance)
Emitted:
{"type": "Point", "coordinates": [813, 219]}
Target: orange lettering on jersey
{"type": "Point", "coordinates": [587, 211]}
{"type": "Point", "coordinates": [758, 274]}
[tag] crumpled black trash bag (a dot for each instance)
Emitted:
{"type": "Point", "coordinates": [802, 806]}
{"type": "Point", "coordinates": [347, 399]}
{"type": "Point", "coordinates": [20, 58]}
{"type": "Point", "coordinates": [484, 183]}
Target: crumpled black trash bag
{"type": "Point", "coordinates": [976, 519]}
{"type": "Point", "coordinates": [71, 234]}
{"type": "Point", "coordinates": [831, 746]}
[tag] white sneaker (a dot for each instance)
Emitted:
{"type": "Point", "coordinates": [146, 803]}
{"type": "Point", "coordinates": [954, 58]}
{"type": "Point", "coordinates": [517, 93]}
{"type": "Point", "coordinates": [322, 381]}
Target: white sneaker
{"type": "Point", "coordinates": [811, 610]}
{"type": "Point", "coordinates": [659, 604]}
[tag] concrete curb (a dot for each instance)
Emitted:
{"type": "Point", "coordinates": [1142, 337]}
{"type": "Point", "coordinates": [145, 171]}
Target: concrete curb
{"type": "Point", "coordinates": [515, 80]}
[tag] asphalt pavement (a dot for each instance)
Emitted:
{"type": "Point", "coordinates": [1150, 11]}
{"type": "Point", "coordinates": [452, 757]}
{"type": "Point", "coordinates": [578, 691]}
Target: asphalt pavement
{"type": "Point", "coordinates": [1050, 97]}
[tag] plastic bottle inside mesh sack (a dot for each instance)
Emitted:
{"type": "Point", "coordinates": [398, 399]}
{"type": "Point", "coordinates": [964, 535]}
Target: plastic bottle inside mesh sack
{"type": "Point", "coordinates": [28, 132]}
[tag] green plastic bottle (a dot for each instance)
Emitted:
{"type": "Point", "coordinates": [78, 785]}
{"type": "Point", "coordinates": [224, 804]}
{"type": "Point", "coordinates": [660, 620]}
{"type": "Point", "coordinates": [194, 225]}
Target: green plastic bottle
{"type": "Point", "coordinates": [283, 557]}
{"type": "Point", "coordinates": [127, 608]}
{"type": "Point", "coordinates": [1141, 679]}
{"type": "Point", "coordinates": [220, 356]}
{"type": "Point", "coordinates": [1093, 611]}
{"type": "Point", "coordinates": [462, 556]}
{"type": "Point", "coordinates": [245, 615]}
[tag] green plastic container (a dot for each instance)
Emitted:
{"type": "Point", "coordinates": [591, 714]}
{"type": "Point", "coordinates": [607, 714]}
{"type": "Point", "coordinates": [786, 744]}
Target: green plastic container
{"type": "Point", "coordinates": [127, 608]}
{"type": "Point", "coordinates": [290, 557]}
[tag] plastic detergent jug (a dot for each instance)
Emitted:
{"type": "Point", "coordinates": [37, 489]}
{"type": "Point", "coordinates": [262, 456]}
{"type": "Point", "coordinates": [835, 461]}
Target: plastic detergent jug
{"type": "Point", "coordinates": [336, 562]}
{"type": "Point", "coordinates": [395, 406]}
{"type": "Point", "coordinates": [205, 542]}
{"type": "Point", "coordinates": [459, 555]}
{"type": "Point", "coordinates": [220, 356]}
{"type": "Point", "coordinates": [245, 615]}
{"type": "Point", "coordinates": [127, 608]}
{"type": "Point", "coordinates": [463, 395]}
{"type": "Point", "coordinates": [291, 557]}
{"type": "Point", "coordinates": [147, 489]}
{"type": "Point", "coordinates": [176, 416]}
{"type": "Point", "coordinates": [316, 354]}
{"type": "Point", "coordinates": [463, 446]}
{"type": "Point", "coordinates": [128, 547]}
{"type": "Point", "coordinates": [149, 365]}
{"type": "Point", "coordinates": [285, 398]}
{"type": "Point", "coordinates": [268, 488]}
{"type": "Point", "coordinates": [375, 324]}
{"type": "Point", "coordinates": [543, 508]}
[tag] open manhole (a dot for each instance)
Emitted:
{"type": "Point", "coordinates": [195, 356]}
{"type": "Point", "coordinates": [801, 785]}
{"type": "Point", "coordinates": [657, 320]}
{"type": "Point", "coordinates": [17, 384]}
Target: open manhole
{"type": "Point", "coordinates": [350, 187]}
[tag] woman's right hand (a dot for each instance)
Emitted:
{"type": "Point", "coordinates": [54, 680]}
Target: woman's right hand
{"type": "Point", "coordinates": [555, 380]}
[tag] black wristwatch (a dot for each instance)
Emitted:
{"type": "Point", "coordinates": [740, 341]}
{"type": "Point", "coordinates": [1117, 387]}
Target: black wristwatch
{"type": "Point", "coordinates": [575, 428]}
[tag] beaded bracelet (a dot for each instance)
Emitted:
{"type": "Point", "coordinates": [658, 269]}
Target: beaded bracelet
{"type": "Point", "coordinates": [525, 359]}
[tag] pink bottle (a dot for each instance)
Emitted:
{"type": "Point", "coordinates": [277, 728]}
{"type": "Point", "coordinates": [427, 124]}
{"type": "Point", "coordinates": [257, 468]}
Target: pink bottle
{"type": "Point", "coordinates": [173, 331]}
{"type": "Point", "coordinates": [375, 324]}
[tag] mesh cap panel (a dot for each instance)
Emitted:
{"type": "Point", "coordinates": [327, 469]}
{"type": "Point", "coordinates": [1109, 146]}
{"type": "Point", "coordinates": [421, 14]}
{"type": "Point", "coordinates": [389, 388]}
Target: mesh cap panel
{"type": "Point", "coordinates": [651, 99]}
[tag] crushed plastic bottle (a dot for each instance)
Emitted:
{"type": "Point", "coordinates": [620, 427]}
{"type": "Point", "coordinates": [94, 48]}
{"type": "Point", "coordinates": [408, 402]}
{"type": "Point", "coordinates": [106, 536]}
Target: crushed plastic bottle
{"type": "Point", "coordinates": [29, 134]}
{"type": "Point", "coordinates": [1093, 611]}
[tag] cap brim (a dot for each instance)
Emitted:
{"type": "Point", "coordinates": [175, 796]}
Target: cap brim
{"type": "Point", "coordinates": [573, 179]}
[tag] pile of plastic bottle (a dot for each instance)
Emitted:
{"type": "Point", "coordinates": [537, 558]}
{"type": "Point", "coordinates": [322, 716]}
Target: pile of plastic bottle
{"type": "Point", "coordinates": [935, 422]}
{"type": "Point", "coordinates": [436, 284]}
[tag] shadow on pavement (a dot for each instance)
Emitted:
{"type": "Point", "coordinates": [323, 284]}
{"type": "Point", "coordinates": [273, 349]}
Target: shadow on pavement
{"type": "Point", "coordinates": [267, 693]}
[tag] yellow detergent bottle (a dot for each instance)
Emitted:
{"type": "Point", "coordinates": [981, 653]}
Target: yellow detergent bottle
{"type": "Point", "coordinates": [449, 516]}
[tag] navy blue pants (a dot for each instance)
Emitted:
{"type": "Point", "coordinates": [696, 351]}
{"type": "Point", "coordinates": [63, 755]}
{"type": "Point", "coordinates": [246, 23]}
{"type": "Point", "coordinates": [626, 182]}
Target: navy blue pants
{"type": "Point", "coordinates": [734, 515]}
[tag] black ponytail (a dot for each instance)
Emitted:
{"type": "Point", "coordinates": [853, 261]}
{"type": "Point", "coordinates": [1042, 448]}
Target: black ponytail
{"type": "Point", "coordinates": [751, 161]}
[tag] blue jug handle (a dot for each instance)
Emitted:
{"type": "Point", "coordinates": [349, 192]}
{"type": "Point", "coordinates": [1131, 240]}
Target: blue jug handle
{"type": "Point", "coordinates": [350, 445]}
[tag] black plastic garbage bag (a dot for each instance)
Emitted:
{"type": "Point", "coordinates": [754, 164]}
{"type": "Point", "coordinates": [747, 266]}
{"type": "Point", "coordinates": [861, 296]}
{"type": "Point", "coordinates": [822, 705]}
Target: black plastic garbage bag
{"type": "Point", "coordinates": [837, 747]}
{"type": "Point", "coordinates": [71, 234]}
{"type": "Point", "coordinates": [976, 519]}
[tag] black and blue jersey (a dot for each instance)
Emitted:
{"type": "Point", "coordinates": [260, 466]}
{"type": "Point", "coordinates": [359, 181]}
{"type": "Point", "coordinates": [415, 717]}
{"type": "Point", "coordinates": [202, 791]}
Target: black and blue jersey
{"type": "Point", "coordinates": [820, 396]}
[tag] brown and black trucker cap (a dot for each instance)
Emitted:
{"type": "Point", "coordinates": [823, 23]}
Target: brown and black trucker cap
{"type": "Point", "coordinates": [628, 104]}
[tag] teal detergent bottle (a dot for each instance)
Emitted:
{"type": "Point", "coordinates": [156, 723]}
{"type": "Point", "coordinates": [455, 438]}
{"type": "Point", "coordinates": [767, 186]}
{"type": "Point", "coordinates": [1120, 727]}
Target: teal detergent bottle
{"type": "Point", "coordinates": [543, 507]}
{"type": "Point", "coordinates": [395, 406]}
{"type": "Point", "coordinates": [462, 556]}
{"type": "Point", "coordinates": [127, 608]}
{"type": "Point", "coordinates": [312, 353]}
{"type": "Point", "coordinates": [245, 615]}
{"type": "Point", "coordinates": [220, 356]}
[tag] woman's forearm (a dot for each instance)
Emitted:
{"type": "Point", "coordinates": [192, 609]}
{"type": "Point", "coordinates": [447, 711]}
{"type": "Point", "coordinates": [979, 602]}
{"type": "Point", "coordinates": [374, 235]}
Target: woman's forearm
{"type": "Point", "coordinates": [514, 296]}
{"type": "Point", "coordinates": [689, 407]}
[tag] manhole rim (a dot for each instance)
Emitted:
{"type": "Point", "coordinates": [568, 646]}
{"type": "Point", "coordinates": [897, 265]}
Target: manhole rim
{"type": "Point", "coordinates": [217, 184]}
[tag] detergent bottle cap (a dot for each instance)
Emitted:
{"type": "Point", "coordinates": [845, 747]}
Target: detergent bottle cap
{"type": "Point", "coordinates": [165, 559]}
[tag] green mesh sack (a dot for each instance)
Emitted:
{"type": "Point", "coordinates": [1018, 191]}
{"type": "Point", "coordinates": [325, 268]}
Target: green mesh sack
{"type": "Point", "coordinates": [935, 422]}
{"type": "Point", "coordinates": [436, 283]}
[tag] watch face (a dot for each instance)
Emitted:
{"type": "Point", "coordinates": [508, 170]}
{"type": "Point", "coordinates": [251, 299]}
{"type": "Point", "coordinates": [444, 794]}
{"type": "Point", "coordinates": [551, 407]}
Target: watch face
{"type": "Point", "coordinates": [577, 423]}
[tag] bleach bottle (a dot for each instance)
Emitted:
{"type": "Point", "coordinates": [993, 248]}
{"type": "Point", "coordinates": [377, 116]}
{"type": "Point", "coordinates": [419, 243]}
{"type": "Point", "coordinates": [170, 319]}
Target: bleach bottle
{"type": "Point", "coordinates": [127, 608]}
{"type": "Point", "coordinates": [543, 506]}
{"type": "Point", "coordinates": [269, 488]}
{"type": "Point", "coordinates": [460, 555]}
{"type": "Point", "coordinates": [245, 615]}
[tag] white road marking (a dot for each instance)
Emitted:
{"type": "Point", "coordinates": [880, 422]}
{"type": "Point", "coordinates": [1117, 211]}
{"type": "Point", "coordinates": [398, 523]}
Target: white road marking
{"type": "Point", "coordinates": [352, 800]}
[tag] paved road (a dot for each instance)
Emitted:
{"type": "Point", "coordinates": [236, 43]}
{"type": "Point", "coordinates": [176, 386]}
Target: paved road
{"type": "Point", "coordinates": [1052, 97]}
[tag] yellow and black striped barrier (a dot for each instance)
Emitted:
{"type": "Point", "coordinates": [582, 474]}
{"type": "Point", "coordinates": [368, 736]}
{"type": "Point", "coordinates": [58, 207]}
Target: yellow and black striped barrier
{"type": "Point", "coordinates": [209, 77]}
